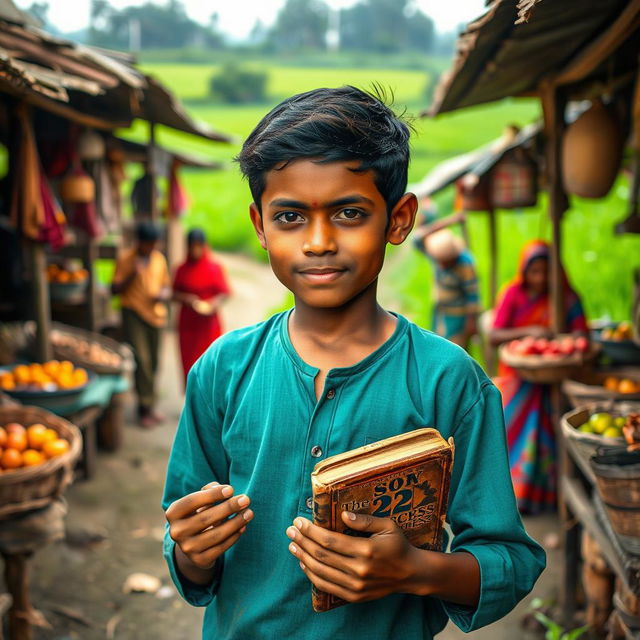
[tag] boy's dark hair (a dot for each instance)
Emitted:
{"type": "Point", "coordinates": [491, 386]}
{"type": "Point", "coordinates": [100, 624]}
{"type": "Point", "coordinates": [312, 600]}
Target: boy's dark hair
{"type": "Point", "coordinates": [147, 231]}
{"type": "Point", "coordinates": [332, 125]}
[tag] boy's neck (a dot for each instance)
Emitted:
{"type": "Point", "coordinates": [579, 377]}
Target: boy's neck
{"type": "Point", "coordinates": [338, 337]}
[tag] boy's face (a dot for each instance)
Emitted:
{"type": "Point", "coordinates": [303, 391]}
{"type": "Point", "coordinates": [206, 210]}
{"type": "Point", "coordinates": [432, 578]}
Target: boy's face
{"type": "Point", "coordinates": [326, 227]}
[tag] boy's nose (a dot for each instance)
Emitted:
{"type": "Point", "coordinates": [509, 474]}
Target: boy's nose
{"type": "Point", "coordinates": [319, 239]}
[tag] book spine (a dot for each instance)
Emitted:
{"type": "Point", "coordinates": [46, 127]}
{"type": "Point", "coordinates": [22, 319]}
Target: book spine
{"type": "Point", "coordinates": [322, 517]}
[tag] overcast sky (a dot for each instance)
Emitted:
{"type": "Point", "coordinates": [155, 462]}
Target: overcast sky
{"type": "Point", "coordinates": [238, 17]}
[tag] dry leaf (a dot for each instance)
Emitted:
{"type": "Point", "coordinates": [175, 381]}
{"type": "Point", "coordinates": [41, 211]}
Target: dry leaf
{"type": "Point", "coordinates": [141, 583]}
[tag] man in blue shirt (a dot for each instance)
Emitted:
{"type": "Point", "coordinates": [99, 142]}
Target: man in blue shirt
{"type": "Point", "coordinates": [327, 171]}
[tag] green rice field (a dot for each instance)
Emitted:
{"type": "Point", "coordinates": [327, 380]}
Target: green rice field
{"type": "Point", "coordinates": [599, 264]}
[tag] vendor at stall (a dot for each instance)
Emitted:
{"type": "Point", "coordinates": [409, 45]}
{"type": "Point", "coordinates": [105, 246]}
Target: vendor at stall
{"type": "Point", "coordinates": [200, 285]}
{"type": "Point", "coordinates": [523, 310]}
{"type": "Point", "coordinates": [457, 304]}
{"type": "Point", "coordinates": [142, 280]}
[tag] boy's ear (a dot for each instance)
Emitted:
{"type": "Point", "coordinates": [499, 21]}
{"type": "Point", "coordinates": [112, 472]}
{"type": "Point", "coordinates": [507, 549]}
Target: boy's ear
{"type": "Point", "coordinates": [256, 220]}
{"type": "Point", "coordinates": [402, 218]}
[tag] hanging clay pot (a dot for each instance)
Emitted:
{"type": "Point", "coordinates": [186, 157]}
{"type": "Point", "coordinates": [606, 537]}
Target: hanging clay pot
{"type": "Point", "coordinates": [514, 181]}
{"type": "Point", "coordinates": [91, 146]}
{"type": "Point", "coordinates": [591, 152]}
{"type": "Point", "coordinates": [77, 187]}
{"type": "Point", "coordinates": [472, 194]}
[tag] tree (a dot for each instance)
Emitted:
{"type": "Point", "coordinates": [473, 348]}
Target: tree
{"type": "Point", "coordinates": [301, 24]}
{"type": "Point", "coordinates": [385, 26]}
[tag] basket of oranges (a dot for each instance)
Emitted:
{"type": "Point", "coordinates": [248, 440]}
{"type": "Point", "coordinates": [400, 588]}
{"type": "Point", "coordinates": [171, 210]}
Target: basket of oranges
{"type": "Point", "coordinates": [599, 386]}
{"type": "Point", "coordinates": [37, 452]}
{"type": "Point", "coordinates": [51, 384]}
{"type": "Point", "coordinates": [66, 285]}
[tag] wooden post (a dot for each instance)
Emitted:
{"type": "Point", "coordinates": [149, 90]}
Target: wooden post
{"type": "Point", "coordinates": [17, 580]}
{"type": "Point", "coordinates": [40, 300]}
{"type": "Point", "coordinates": [553, 105]}
{"type": "Point", "coordinates": [90, 255]}
{"type": "Point", "coordinates": [151, 154]}
{"type": "Point", "coordinates": [493, 252]}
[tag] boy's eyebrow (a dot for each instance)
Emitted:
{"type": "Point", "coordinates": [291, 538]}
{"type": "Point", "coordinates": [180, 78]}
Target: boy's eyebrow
{"type": "Point", "coordinates": [297, 204]}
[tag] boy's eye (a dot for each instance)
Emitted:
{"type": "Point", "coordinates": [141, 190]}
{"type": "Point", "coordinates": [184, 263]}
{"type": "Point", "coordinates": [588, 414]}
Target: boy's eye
{"type": "Point", "coordinates": [288, 217]}
{"type": "Point", "coordinates": [350, 214]}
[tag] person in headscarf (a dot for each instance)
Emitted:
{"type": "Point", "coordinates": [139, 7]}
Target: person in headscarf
{"type": "Point", "coordinates": [457, 302]}
{"type": "Point", "coordinates": [523, 310]}
{"type": "Point", "coordinates": [200, 285]}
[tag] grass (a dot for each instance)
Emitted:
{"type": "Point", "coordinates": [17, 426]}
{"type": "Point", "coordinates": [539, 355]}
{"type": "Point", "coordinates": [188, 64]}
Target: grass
{"type": "Point", "coordinates": [599, 264]}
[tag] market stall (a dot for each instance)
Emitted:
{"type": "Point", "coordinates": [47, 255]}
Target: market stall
{"type": "Point", "coordinates": [559, 53]}
{"type": "Point", "coordinates": [60, 210]}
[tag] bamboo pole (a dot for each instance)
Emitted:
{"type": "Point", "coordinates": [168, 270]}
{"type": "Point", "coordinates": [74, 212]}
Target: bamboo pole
{"type": "Point", "coordinates": [40, 300]}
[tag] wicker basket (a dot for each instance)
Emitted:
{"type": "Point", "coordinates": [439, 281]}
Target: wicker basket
{"type": "Point", "coordinates": [127, 362]}
{"type": "Point", "coordinates": [541, 370]}
{"type": "Point", "coordinates": [586, 445]}
{"type": "Point", "coordinates": [35, 487]}
{"type": "Point", "coordinates": [589, 388]}
{"type": "Point", "coordinates": [618, 480]}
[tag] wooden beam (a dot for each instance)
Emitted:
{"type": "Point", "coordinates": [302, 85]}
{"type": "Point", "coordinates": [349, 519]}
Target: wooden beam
{"type": "Point", "coordinates": [40, 300]}
{"type": "Point", "coordinates": [601, 48]}
{"type": "Point", "coordinates": [65, 111]}
{"type": "Point", "coordinates": [553, 106]}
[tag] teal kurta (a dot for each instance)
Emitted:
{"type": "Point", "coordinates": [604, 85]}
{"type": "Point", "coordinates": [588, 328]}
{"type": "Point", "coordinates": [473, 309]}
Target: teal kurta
{"type": "Point", "coordinates": [251, 420]}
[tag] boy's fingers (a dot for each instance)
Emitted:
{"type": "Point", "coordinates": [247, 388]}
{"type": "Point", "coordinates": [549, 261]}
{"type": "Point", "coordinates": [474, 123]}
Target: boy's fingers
{"type": "Point", "coordinates": [321, 553]}
{"type": "Point", "coordinates": [190, 503]}
{"type": "Point", "coordinates": [212, 516]}
{"type": "Point", "coordinates": [218, 535]}
{"type": "Point", "coordinates": [330, 540]}
{"type": "Point", "coordinates": [328, 586]}
{"type": "Point", "coordinates": [211, 555]}
{"type": "Point", "coordinates": [367, 523]}
{"type": "Point", "coordinates": [321, 568]}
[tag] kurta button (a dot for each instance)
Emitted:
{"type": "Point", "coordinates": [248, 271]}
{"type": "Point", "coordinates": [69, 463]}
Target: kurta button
{"type": "Point", "coordinates": [309, 502]}
{"type": "Point", "coordinates": [331, 394]}
{"type": "Point", "coordinates": [316, 451]}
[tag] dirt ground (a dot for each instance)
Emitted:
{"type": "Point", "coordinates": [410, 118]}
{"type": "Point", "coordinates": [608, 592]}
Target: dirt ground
{"type": "Point", "coordinates": [115, 525]}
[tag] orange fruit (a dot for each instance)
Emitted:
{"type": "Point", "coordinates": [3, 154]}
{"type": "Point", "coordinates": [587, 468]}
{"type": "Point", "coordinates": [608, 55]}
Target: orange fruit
{"type": "Point", "coordinates": [11, 459]}
{"type": "Point", "coordinates": [55, 448]}
{"type": "Point", "coordinates": [14, 427]}
{"type": "Point", "coordinates": [3, 437]}
{"type": "Point", "coordinates": [611, 383]}
{"type": "Point", "coordinates": [49, 436]}
{"type": "Point", "coordinates": [80, 377]}
{"type": "Point", "coordinates": [17, 441]}
{"type": "Point", "coordinates": [66, 366]}
{"type": "Point", "coordinates": [22, 374]}
{"type": "Point", "coordinates": [7, 381]}
{"type": "Point", "coordinates": [31, 457]}
{"type": "Point", "coordinates": [51, 367]}
{"type": "Point", "coordinates": [627, 386]}
{"type": "Point", "coordinates": [63, 277]}
{"type": "Point", "coordinates": [36, 436]}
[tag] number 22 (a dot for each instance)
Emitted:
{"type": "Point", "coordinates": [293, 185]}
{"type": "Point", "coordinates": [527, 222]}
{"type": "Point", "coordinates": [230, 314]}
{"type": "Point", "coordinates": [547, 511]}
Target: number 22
{"type": "Point", "coordinates": [401, 500]}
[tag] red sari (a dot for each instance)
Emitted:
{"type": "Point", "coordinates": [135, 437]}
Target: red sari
{"type": "Point", "coordinates": [527, 406]}
{"type": "Point", "coordinates": [204, 278]}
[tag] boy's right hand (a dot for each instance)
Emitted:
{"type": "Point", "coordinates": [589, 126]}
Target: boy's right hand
{"type": "Point", "coordinates": [202, 525]}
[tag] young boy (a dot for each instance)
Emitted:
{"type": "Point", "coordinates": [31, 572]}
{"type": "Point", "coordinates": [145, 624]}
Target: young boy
{"type": "Point", "coordinates": [327, 171]}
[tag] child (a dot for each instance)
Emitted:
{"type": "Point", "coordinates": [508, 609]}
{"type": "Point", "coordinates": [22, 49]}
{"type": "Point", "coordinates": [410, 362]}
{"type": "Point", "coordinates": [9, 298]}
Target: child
{"type": "Point", "coordinates": [455, 312]}
{"type": "Point", "coordinates": [327, 171]}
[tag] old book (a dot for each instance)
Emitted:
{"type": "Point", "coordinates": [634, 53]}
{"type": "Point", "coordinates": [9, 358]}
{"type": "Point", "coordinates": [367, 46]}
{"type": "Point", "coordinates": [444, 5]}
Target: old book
{"type": "Point", "coordinates": [405, 477]}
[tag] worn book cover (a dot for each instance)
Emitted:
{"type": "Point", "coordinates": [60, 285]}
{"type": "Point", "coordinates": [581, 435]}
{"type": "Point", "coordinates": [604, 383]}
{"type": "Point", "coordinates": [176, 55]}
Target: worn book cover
{"type": "Point", "coordinates": [405, 478]}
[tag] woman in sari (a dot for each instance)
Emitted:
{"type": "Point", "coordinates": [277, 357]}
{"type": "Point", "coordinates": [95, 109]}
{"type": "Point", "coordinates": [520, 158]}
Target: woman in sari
{"type": "Point", "coordinates": [523, 310]}
{"type": "Point", "coordinates": [201, 286]}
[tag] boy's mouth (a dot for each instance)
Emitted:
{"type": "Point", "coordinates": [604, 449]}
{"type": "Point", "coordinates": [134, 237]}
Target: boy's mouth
{"type": "Point", "coordinates": [321, 274]}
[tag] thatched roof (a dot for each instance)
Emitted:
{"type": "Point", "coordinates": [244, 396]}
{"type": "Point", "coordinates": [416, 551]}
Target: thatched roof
{"type": "Point", "coordinates": [517, 45]}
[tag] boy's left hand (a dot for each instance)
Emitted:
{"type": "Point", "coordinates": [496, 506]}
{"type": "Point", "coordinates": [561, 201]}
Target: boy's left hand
{"type": "Point", "coordinates": [355, 569]}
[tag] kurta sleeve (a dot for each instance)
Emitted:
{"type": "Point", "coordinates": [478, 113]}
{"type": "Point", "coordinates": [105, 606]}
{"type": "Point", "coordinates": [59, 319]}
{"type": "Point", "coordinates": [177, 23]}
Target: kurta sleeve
{"type": "Point", "coordinates": [123, 267]}
{"type": "Point", "coordinates": [197, 458]}
{"type": "Point", "coordinates": [484, 517]}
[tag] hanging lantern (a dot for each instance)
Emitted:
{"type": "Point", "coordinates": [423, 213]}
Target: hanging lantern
{"type": "Point", "coordinates": [591, 153]}
{"type": "Point", "coordinates": [91, 145]}
{"type": "Point", "coordinates": [77, 187]}
{"type": "Point", "coordinates": [472, 194]}
{"type": "Point", "coordinates": [514, 181]}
